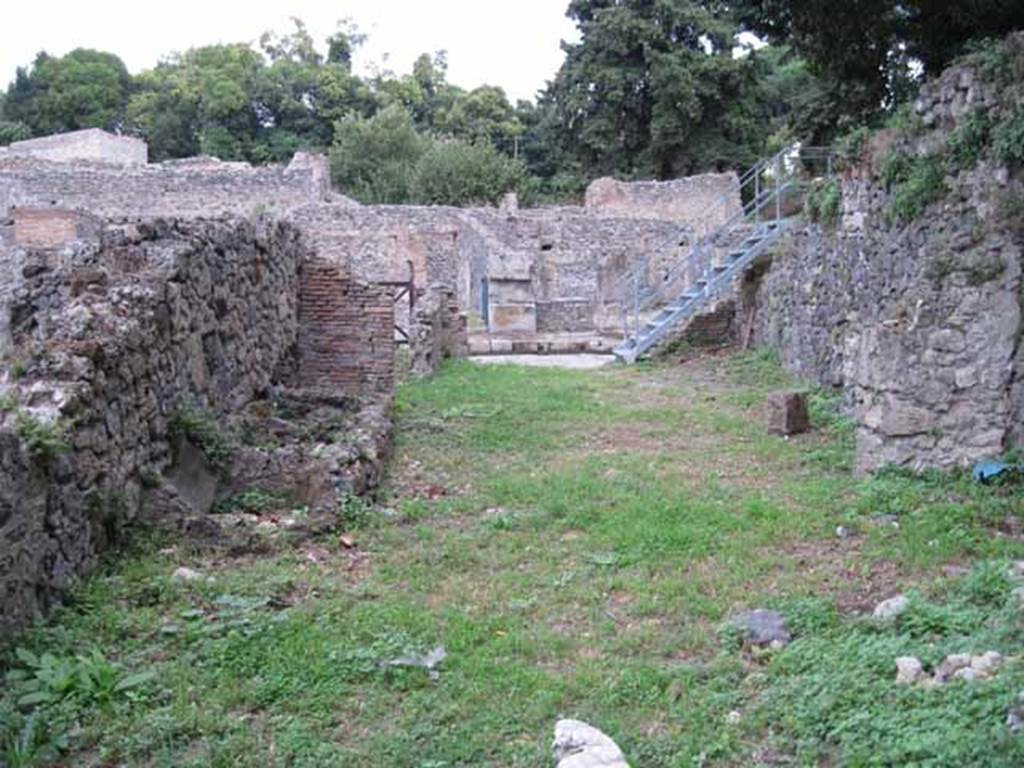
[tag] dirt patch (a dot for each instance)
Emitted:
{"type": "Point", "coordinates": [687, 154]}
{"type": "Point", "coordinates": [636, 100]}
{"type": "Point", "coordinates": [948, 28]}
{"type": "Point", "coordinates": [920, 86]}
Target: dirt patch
{"type": "Point", "coordinates": [839, 570]}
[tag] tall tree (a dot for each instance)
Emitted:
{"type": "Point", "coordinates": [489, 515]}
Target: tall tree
{"type": "Point", "coordinates": [84, 89]}
{"type": "Point", "coordinates": [652, 89]}
{"type": "Point", "coordinates": [869, 53]}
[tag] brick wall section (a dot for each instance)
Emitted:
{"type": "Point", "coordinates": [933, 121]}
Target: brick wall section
{"type": "Point", "coordinates": [51, 227]}
{"type": "Point", "coordinates": [346, 333]}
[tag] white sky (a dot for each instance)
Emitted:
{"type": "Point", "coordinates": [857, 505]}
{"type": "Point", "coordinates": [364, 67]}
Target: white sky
{"type": "Point", "coordinates": [511, 44]}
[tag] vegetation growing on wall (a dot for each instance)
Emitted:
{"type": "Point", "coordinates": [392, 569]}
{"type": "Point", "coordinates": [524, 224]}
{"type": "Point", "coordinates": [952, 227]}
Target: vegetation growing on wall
{"type": "Point", "coordinates": [914, 183]}
{"type": "Point", "coordinates": [201, 428]}
{"type": "Point", "coordinates": [824, 202]}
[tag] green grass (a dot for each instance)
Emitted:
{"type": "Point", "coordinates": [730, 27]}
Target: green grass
{"type": "Point", "coordinates": [575, 541]}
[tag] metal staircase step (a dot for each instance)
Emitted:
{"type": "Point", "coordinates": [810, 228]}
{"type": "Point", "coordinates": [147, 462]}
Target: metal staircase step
{"type": "Point", "coordinates": [741, 238]}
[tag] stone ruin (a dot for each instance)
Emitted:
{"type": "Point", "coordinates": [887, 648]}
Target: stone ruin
{"type": "Point", "coordinates": [136, 296]}
{"type": "Point", "coordinates": [149, 311]}
{"type": "Point", "coordinates": [918, 324]}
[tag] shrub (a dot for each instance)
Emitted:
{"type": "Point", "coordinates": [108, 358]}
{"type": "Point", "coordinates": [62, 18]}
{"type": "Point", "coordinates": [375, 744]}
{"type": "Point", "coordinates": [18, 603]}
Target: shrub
{"type": "Point", "coordinates": [850, 147]}
{"type": "Point", "coordinates": [1008, 140]}
{"type": "Point", "coordinates": [45, 440]}
{"type": "Point", "coordinates": [905, 121]}
{"type": "Point", "coordinates": [967, 145]}
{"type": "Point", "coordinates": [824, 202]}
{"type": "Point", "coordinates": [915, 182]}
{"type": "Point", "coordinates": [374, 159]}
{"type": "Point", "coordinates": [254, 501]}
{"type": "Point", "coordinates": [13, 131]}
{"type": "Point", "coordinates": [201, 429]}
{"type": "Point", "coordinates": [457, 173]}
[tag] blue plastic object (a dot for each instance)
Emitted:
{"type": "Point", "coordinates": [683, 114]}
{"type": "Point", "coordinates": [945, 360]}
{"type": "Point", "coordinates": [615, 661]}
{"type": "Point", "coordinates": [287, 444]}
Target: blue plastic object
{"type": "Point", "coordinates": [987, 469]}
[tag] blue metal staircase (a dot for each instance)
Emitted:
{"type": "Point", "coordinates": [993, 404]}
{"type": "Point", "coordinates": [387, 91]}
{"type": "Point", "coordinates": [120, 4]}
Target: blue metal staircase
{"type": "Point", "coordinates": [658, 302]}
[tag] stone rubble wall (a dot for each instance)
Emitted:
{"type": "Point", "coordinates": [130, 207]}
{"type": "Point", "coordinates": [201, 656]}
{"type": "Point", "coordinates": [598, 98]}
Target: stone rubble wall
{"type": "Point", "coordinates": [114, 334]}
{"type": "Point", "coordinates": [89, 145]}
{"type": "Point", "coordinates": [438, 331]}
{"type": "Point", "coordinates": [569, 256]}
{"type": "Point", "coordinates": [564, 256]}
{"type": "Point", "coordinates": [919, 323]}
{"type": "Point", "coordinates": [703, 202]}
{"type": "Point", "coordinates": [198, 187]}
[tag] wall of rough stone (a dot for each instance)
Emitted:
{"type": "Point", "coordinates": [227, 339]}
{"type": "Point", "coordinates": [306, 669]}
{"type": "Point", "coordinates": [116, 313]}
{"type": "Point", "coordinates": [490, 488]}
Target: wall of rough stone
{"type": "Point", "coordinates": [114, 335]}
{"type": "Point", "coordinates": [438, 331]}
{"type": "Point", "coordinates": [702, 202]}
{"type": "Point", "coordinates": [89, 145]}
{"type": "Point", "coordinates": [561, 257]}
{"type": "Point", "coordinates": [920, 323]}
{"type": "Point", "coordinates": [195, 187]}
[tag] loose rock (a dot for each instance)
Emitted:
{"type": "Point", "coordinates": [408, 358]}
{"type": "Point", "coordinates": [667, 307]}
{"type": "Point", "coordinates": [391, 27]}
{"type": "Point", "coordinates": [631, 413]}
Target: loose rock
{"type": "Point", "coordinates": [891, 608]}
{"type": "Point", "coordinates": [787, 413]}
{"type": "Point", "coordinates": [184, 575]}
{"type": "Point", "coordinates": [987, 664]}
{"type": "Point", "coordinates": [579, 745]}
{"type": "Point", "coordinates": [762, 627]}
{"type": "Point", "coordinates": [909, 670]}
{"type": "Point", "coordinates": [951, 665]}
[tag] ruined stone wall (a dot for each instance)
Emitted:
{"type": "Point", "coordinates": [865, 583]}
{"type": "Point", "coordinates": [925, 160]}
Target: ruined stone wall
{"type": "Point", "coordinates": [111, 337]}
{"type": "Point", "coordinates": [702, 202]}
{"type": "Point", "coordinates": [438, 331]}
{"type": "Point", "coordinates": [196, 187]}
{"type": "Point", "coordinates": [919, 322]}
{"type": "Point", "coordinates": [565, 259]}
{"type": "Point", "coordinates": [89, 145]}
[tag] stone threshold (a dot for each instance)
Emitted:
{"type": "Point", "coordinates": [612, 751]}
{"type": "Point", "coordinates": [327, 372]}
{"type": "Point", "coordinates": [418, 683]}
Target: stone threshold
{"type": "Point", "coordinates": [541, 344]}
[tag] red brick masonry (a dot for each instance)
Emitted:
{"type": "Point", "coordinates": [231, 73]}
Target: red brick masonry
{"type": "Point", "coordinates": [346, 333]}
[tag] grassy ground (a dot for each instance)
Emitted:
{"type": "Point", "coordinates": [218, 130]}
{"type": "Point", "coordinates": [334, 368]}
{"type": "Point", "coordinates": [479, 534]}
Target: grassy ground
{"type": "Point", "coordinates": [575, 541]}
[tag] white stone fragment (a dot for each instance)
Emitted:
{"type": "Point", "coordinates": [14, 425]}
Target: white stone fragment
{"type": "Point", "coordinates": [185, 575]}
{"type": "Point", "coordinates": [579, 745]}
{"type": "Point", "coordinates": [891, 608]}
{"type": "Point", "coordinates": [909, 670]}
{"type": "Point", "coordinates": [986, 665]}
{"type": "Point", "coordinates": [951, 665]}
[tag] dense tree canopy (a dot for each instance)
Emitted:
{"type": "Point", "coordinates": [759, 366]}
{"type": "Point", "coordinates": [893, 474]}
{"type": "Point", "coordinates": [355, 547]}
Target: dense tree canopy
{"type": "Point", "coordinates": [84, 89]}
{"type": "Point", "coordinates": [870, 53]}
{"type": "Point", "coordinates": [653, 88]}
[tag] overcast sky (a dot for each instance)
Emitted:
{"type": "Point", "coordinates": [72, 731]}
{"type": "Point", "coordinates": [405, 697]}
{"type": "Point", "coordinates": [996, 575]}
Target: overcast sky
{"type": "Point", "coordinates": [511, 44]}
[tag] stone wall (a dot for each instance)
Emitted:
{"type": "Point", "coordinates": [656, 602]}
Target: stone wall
{"type": "Point", "coordinates": [196, 187]}
{"type": "Point", "coordinates": [702, 202]}
{"type": "Point", "coordinates": [438, 330]}
{"type": "Point", "coordinates": [920, 323]}
{"type": "Point", "coordinates": [566, 256]}
{"type": "Point", "coordinates": [111, 337]}
{"type": "Point", "coordinates": [529, 257]}
{"type": "Point", "coordinates": [90, 145]}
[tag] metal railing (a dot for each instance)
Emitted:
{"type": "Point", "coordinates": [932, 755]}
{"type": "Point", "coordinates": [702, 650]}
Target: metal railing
{"type": "Point", "coordinates": [767, 192]}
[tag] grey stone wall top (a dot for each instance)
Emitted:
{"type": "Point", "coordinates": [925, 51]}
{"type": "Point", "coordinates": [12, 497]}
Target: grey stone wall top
{"type": "Point", "coordinates": [91, 144]}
